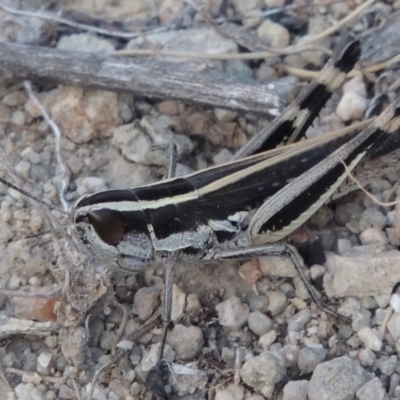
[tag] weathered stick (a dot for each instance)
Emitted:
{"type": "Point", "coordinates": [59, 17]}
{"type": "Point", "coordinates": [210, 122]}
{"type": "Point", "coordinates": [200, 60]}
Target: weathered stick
{"type": "Point", "coordinates": [150, 78]}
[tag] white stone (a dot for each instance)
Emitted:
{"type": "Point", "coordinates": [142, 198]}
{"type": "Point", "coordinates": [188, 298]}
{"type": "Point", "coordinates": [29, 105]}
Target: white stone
{"type": "Point", "coordinates": [373, 235]}
{"type": "Point", "coordinates": [45, 363]}
{"type": "Point", "coordinates": [351, 106]}
{"type": "Point", "coordinates": [370, 338]}
{"type": "Point", "coordinates": [395, 302]}
{"type": "Point", "coordinates": [232, 313]}
{"type": "Point", "coordinates": [231, 392]}
{"type": "Point", "coordinates": [394, 326]}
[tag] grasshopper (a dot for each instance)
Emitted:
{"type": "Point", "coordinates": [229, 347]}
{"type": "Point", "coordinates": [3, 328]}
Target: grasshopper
{"type": "Point", "coordinates": [205, 214]}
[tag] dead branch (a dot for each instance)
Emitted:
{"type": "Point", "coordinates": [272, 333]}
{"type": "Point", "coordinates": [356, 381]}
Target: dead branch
{"type": "Point", "coordinates": [150, 78]}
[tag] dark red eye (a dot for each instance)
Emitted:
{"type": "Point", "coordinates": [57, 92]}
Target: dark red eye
{"type": "Point", "coordinates": [108, 225]}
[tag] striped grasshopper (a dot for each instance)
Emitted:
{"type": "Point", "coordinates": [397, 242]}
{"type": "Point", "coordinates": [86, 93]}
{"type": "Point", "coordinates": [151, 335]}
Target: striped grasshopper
{"type": "Point", "coordinates": [203, 215]}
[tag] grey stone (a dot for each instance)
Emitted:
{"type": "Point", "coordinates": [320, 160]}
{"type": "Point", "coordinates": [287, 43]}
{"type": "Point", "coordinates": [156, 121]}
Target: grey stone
{"type": "Point", "coordinates": [290, 354]}
{"type": "Point", "coordinates": [295, 390]}
{"type": "Point", "coordinates": [262, 372]}
{"type": "Point", "coordinates": [27, 391]}
{"type": "Point", "coordinates": [366, 357]}
{"type": "Point", "coordinates": [259, 323]}
{"type": "Point", "coordinates": [186, 341]}
{"type": "Point", "coordinates": [146, 301]}
{"type": "Point", "coordinates": [309, 358]}
{"type": "Point", "coordinates": [373, 217]}
{"type": "Point", "coordinates": [388, 367]}
{"type": "Point", "coordinates": [297, 322]}
{"type": "Point", "coordinates": [372, 390]}
{"type": "Point", "coordinates": [338, 379]}
{"type": "Point", "coordinates": [364, 272]}
{"type": "Point", "coordinates": [259, 303]}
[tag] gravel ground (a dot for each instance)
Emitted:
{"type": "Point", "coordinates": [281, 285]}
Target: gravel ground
{"type": "Point", "coordinates": [242, 330]}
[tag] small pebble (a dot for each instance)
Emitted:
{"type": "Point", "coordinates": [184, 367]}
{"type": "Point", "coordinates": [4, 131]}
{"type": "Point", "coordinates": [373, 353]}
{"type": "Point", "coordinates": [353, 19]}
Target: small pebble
{"type": "Point", "coordinates": [45, 363]}
{"type": "Point", "coordinates": [277, 302]}
{"type": "Point", "coordinates": [169, 107]}
{"type": "Point", "coordinates": [146, 300]}
{"type": "Point", "coordinates": [368, 302]}
{"type": "Point", "coordinates": [28, 392]}
{"type": "Point", "coordinates": [244, 6]}
{"type": "Point", "coordinates": [273, 34]}
{"type": "Point", "coordinates": [388, 367]}
{"type": "Point", "coordinates": [259, 303]}
{"type": "Point", "coordinates": [369, 338]}
{"type": "Point", "coordinates": [85, 42]}
{"type": "Point", "coordinates": [224, 115]}
{"type": "Point", "coordinates": [393, 326]}
{"type": "Point", "coordinates": [267, 339]}
{"type": "Point", "coordinates": [23, 168]}
{"type": "Point", "coordinates": [337, 379]}
{"type": "Point", "coordinates": [366, 357]}
{"type": "Point", "coordinates": [262, 372]}
{"type": "Point", "coordinates": [228, 355]}
{"type": "Point", "coordinates": [295, 390]}
{"type": "Point", "coordinates": [372, 390]}
{"type": "Point", "coordinates": [18, 117]}
{"type": "Point", "coordinates": [230, 392]}
{"type": "Point", "coordinates": [290, 354]}
{"type": "Point", "coordinates": [14, 99]}
{"type": "Point", "coordinates": [297, 322]}
{"type": "Point", "coordinates": [317, 271]}
{"type": "Point", "coordinates": [232, 313]}
{"type": "Point", "coordinates": [309, 358]}
{"type": "Point", "coordinates": [186, 341]}
{"type": "Point", "coordinates": [351, 107]}
{"type": "Point", "coordinates": [373, 217]}
{"type": "Point", "coordinates": [395, 302]}
{"type": "Point", "coordinates": [373, 235]}
{"type": "Point", "coordinates": [343, 245]}
{"type": "Point", "coordinates": [14, 282]}
{"type": "Point", "coordinates": [382, 300]}
{"type": "Point", "coordinates": [259, 323]}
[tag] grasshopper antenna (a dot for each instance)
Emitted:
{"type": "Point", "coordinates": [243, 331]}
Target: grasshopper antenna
{"type": "Point", "coordinates": [31, 196]}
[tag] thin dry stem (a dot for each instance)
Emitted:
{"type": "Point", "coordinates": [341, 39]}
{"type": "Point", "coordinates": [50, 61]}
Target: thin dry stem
{"type": "Point", "coordinates": [370, 195]}
{"type": "Point", "coordinates": [57, 135]}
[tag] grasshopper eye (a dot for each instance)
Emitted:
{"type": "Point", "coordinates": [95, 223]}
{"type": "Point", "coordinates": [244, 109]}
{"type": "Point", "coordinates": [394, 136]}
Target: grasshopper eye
{"type": "Point", "coordinates": [108, 225]}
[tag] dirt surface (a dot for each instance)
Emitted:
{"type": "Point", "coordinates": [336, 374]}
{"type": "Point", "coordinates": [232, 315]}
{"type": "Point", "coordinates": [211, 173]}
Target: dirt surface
{"type": "Point", "coordinates": [72, 324]}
